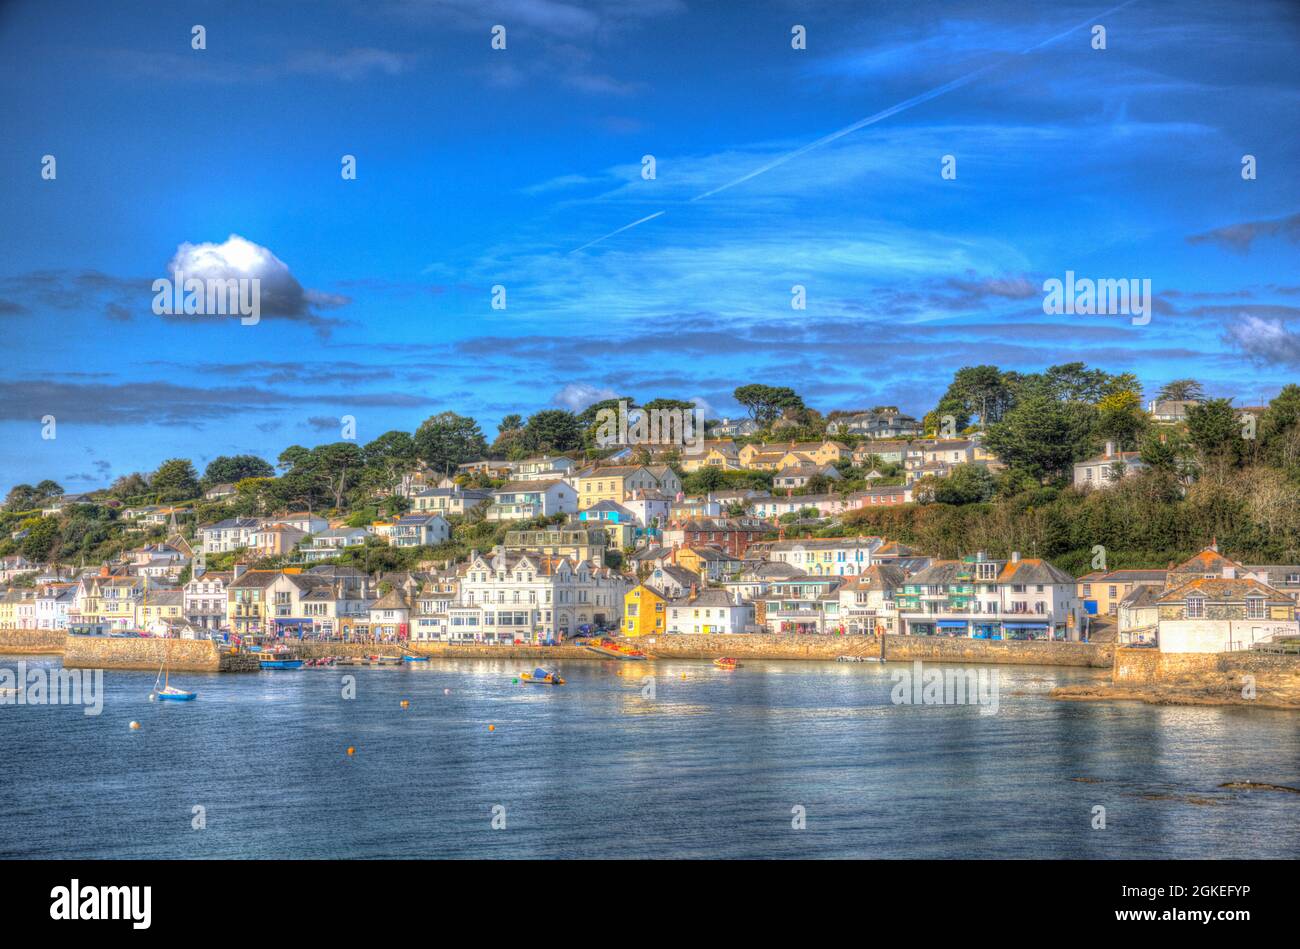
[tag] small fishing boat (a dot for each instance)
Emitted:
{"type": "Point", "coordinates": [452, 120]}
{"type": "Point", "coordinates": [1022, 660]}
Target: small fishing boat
{"type": "Point", "coordinates": [279, 658]}
{"type": "Point", "coordinates": [615, 650]}
{"type": "Point", "coordinates": [281, 663]}
{"type": "Point", "coordinates": [415, 658]}
{"type": "Point", "coordinates": [726, 662]}
{"type": "Point", "coordinates": [858, 659]}
{"type": "Point", "coordinates": [540, 676]}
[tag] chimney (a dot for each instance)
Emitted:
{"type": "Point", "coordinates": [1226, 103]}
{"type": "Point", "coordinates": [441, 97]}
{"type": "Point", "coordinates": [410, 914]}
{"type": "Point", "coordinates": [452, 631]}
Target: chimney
{"type": "Point", "coordinates": [1015, 556]}
{"type": "Point", "coordinates": [694, 591]}
{"type": "Point", "coordinates": [240, 569]}
{"type": "Point", "coordinates": [1110, 449]}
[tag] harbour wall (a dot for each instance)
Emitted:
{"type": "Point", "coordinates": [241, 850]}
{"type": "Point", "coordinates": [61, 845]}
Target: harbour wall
{"type": "Point", "coordinates": [896, 649]}
{"type": "Point", "coordinates": [31, 642]}
{"type": "Point", "coordinates": [203, 655]}
{"type": "Point", "coordinates": [1151, 666]}
{"type": "Point", "coordinates": [102, 652]}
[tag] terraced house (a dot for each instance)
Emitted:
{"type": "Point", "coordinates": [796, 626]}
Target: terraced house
{"type": "Point", "coordinates": [827, 556]}
{"type": "Point", "coordinates": [507, 596]}
{"type": "Point", "coordinates": [619, 483]}
{"type": "Point", "coordinates": [983, 598]}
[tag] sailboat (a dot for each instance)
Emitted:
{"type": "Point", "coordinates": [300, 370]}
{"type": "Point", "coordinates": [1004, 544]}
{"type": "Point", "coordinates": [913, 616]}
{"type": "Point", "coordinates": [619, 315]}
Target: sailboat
{"type": "Point", "coordinates": [168, 692]}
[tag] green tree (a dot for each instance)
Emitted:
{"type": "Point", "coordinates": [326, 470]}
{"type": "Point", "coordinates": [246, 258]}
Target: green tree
{"type": "Point", "coordinates": [129, 486]}
{"type": "Point", "coordinates": [336, 463]}
{"type": "Point", "coordinates": [968, 484]}
{"type": "Point", "coordinates": [388, 457]}
{"type": "Point", "coordinates": [1121, 419]}
{"type": "Point", "coordinates": [22, 497]}
{"type": "Point", "coordinates": [175, 480]}
{"type": "Point", "coordinates": [1181, 390]}
{"type": "Point", "coordinates": [1039, 436]}
{"type": "Point", "coordinates": [41, 541]}
{"type": "Point", "coordinates": [552, 430]}
{"type": "Point", "coordinates": [227, 469]}
{"type": "Point", "coordinates": [446, 440]}
{"type": "Point", "coordinates": [48, 489]}
{"type": "Point", "coordinates": [766, 403]}
{"type": "Point", "coordinates": [1214, 430]}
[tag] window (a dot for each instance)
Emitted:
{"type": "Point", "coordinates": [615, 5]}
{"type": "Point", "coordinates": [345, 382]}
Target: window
{"type": "Point", "coordinates": [1254, 607]}
{"type": "Point", "coordinates": [1196, 607]}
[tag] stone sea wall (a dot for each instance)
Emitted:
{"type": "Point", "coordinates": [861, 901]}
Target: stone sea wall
{"type": "Point", "coordinates": [896, 649]}
{"type": "Point", "coordinates": [1150, 666]}
{"type": "Point", "coordinates": [202, 655]}
{"type": "Point", "coordinates": [103, 652]}
{"type": "Point", "coordinates": [29, 642]}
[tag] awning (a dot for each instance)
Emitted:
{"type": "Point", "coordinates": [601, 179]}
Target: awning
{"type": "Point", "coordinates": [952, 623]}
{"type": "Point", "coordinates": [1042, 625]}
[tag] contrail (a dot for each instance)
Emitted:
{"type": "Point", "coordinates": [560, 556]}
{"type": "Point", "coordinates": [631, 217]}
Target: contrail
{"type": "Point", "coordinates": [625, 227]}
{"type": "Point", "coordinates": [869, 120]}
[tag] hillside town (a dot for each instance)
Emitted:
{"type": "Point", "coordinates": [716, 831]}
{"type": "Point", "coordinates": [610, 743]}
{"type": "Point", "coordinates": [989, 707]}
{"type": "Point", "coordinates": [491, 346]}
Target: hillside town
{"type": "Point", "coordinates": [739, 532]}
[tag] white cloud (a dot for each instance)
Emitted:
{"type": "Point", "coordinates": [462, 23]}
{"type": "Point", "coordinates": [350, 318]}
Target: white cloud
{"type": "Point", "coordinates": [237, 257]}
{"type": "Point", "coordinates": [576, 396]}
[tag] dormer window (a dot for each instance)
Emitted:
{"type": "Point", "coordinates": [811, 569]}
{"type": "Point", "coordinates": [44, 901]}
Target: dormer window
{"type": "Point", "coordinates": [1196, 607]}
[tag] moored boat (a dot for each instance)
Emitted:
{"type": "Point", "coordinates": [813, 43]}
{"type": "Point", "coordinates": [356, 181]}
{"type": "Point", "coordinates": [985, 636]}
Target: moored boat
{"type": "Point", "coordinates": [168, 692]}
{"type": "Point", "coordinates": [540, 676]}
{"type": "Point", "coordinates": [285, 663]}
{"type": "Point", "coordinates": [726, 662]}
{"type": "Point", "coordinates": [615, 650]}
{"type": "Point", "coordinates": [858, 659]}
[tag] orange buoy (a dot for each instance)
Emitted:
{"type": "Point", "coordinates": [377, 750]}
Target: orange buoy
{"type": "Point", "coordinates": [135, 726]}
{"type": "Point", "coordinates": [406, 703]}
{"type": "Point", "coordinates": [492, 728]}
{"type": "Point", "coordinates": [351, 750]}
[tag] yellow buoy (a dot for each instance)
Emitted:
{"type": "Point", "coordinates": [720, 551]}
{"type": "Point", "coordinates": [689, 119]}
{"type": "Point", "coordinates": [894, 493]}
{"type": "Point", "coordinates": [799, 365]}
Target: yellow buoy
{"type": "Point", "coordinates": [135, 725]}
{"type": "Point", "coordinates": [406, 703]}
{"type": "Point", "coordinates": [351, 750]}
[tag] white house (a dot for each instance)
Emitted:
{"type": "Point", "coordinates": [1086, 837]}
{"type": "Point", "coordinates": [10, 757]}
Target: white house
{"type": "Point", "coordinates": [524, 500]}
{"type": "Point", "coordinates": [545, 468]}
{"type": "Point", "coordinates": [709, 612]}
{"type": "Point", "coordinates": [1106, 469]}
{"type": "Point", "coordinates": [991, 599]}
{"type": "Point", "coordinates": [419, 530]}
{"type": "Point", "coordinates": [231, 534]}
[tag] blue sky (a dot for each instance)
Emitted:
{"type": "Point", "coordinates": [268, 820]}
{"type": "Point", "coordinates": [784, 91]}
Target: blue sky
{"type": "Point", "coordinates": [478, 167]}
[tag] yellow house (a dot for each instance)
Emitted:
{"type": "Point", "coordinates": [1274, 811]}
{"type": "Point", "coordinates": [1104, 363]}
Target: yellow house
{"type": "Point", "coordinates": [643, 611]}
{"type": "Point", "coordinates": [9, 601]}
{"type": "Point", "coordinates": [615, 483]}
{"type": "Point", "coordinates": [719, 454]}
{"type": "Point", "coordinates": [769, 457]}
{"type": "Point", "coordinates": [119, 598]}
{"type": "Point", "coordinates": [161, 606]}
